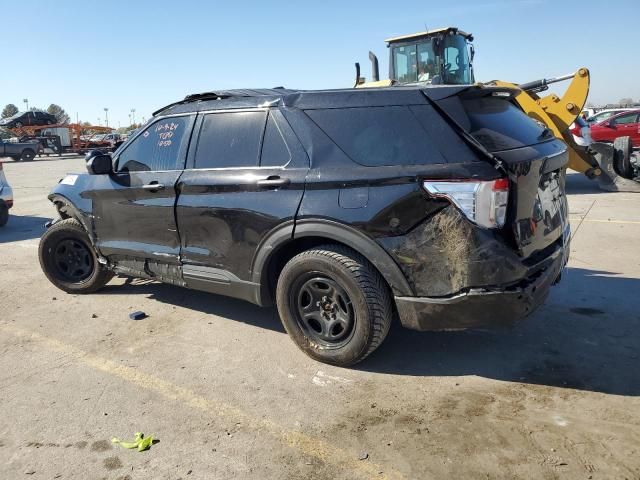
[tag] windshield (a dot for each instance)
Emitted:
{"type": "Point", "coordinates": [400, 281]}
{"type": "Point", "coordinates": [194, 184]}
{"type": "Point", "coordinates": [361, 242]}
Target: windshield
{"type": "Point", "coordinates": [457, 68]}
{"type": "Point", "coordinates": [415, 63]}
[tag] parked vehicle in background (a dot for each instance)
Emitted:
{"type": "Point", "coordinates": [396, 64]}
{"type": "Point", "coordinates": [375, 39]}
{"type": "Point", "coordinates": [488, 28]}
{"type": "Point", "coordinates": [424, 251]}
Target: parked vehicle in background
{"type": "Point", "coordinates": [28, 119]}
{"type": "Point", "coordinates": [19, 150]}
{"type": "Point", "coordinates": [581, 132]}
{"type": "Point", "coordinates": [6, 198]}
{"type": "Point", "coordinates": [604, 114]}
{"type": "Point", "coordinates": [623, 124]}
{"type": "Point", "coordinates": [445, 206]}
{"type": "Point", "coordinates": [588, 112]}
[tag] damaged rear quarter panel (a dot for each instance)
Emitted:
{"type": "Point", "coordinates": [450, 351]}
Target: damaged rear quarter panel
{"type": "Point", "coordinates": [446, 254]}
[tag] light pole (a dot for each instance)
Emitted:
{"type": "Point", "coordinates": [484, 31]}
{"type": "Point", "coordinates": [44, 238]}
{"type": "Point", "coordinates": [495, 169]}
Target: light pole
{"type": "Point", "coordinates": [26, 101]}
{"type": "Point", "coordinates": [99, 121]}
{"type": "Point", "coordinates": [106, 116]}
{"type": "Point", "coordinates": [130, 120]}
{"type": "Point", "coordinates": [133, 114]}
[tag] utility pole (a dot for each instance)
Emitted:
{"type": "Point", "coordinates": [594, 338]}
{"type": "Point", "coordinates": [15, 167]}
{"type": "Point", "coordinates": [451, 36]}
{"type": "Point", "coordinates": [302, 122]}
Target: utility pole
{"type": "Point", "coordinates": [99, 121]}
{"type": "Point", "coordinates": [130, 120]}
{"type": "Point", "coordinates": [106, 116]}
{"type": "Point", "coordinates": [26, 101]}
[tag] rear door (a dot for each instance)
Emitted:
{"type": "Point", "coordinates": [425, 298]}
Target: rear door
{"type": "Point", "coordinates": [245, 178]}
{"type": "Point", "coordinates": [135, 209]}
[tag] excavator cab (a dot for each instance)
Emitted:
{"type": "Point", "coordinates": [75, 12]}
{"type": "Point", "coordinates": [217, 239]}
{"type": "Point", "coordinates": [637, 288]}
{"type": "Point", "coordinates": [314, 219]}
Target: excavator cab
{"type": "Point", "coordinates": [437, 57]}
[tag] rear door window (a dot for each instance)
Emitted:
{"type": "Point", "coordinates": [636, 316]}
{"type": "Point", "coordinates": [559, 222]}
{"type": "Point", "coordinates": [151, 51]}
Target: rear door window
{"type": "Point", "coordinates": [230, 139]}
{"type": "Point", "coordinates": [275, 152]}
{"type": "Point", "coordinates": [160, 147]}
{"type": "Point", "coordinates": [378, 136]}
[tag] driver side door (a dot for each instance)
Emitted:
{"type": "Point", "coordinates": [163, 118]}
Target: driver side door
{"type": "Point", "coordinates": [134, 214]}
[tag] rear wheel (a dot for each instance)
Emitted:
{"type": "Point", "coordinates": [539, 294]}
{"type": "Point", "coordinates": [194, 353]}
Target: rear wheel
{"type": "Point", "coordinates": [27, 155]}
{"type": "Point", "coordinates": [68, 259]}
{"type": "Point", "coordinates": [334, 304]}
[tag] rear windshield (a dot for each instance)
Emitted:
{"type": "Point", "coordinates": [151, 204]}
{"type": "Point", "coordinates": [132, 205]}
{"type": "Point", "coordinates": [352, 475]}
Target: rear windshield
{"type": "Point", "coordinates": [498, 124]}
{"type": "Point", "coordinates": [392, 135]}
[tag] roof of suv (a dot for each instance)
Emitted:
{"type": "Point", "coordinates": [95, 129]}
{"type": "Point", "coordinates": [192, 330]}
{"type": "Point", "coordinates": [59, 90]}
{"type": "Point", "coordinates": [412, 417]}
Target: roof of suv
{"type": "Point", "coordinates": [308, 99]}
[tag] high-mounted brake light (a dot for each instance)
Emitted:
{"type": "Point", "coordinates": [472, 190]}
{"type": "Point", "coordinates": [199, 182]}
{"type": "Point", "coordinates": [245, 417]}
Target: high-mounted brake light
{"type": "Point", "coordinates": [482, 202]}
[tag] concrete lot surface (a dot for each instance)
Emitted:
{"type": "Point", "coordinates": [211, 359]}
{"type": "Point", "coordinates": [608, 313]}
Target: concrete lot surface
{"type": "Point", "coordinates": [228, 395]}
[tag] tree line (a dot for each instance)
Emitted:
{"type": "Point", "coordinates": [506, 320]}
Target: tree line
{"type": "Point", "coordinates": [56, 110]}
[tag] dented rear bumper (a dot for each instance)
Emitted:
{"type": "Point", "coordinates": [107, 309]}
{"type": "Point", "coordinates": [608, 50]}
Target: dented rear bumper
{"type": "Point", "coordinates": [486, 307]}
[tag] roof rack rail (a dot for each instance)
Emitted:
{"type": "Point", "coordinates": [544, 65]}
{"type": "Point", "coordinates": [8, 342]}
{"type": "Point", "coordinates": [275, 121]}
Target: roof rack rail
{"type": "Point", "coordinates": [194, 97]}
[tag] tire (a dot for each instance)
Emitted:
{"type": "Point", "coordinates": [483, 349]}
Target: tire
{"type": "Point", "coordinates": [27, 155]}
{"type": "Point", "coordinates": [17, 125]}
{"type": "Point", "coordinates": [357, 310]}
{"type": "Point", "coordinates": [623, 148]}
{"type": "Point", "coordinates": [68, 259]}
{"type": "Point", "coordinates": [4, 214]}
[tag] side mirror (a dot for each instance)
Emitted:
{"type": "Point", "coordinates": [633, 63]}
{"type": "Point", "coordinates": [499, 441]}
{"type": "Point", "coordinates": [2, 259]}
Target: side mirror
{"type": "Point", "coordinates": [99, 164]}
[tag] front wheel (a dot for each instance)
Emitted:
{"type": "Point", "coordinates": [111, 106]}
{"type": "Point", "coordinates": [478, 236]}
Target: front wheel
{"type": "Point", "coordinates": [334, 304]}
{"type": "Point", "coordinates": [68, 259]}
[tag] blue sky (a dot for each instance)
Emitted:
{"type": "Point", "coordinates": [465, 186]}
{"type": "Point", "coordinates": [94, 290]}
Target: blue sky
{"type": "Point", "coordinates": [87, 55]}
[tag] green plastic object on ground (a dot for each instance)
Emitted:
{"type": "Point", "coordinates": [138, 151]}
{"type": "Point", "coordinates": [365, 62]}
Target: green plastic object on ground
{"type": "Point", "coordinates": [141, 442]}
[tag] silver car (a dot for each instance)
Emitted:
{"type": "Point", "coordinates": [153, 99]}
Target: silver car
{"type": "Point", "coordinates": [6, 198]}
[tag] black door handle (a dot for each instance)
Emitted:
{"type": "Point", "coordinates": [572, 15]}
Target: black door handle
{"type": "Point", "coordinates": [273, 181]}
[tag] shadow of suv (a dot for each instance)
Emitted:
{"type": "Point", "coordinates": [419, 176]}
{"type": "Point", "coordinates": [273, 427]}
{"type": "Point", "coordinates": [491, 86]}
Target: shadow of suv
{"type": "Point", "coordinates": [444, 206]}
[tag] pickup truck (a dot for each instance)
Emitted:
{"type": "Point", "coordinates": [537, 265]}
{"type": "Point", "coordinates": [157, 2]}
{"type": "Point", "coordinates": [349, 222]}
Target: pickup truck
{"type": "Point", "coordinates": [19, 151]}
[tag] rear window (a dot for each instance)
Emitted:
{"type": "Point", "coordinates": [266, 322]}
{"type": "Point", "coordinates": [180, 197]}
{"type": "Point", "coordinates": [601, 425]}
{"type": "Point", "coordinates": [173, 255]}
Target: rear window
{"type": "Point", "coordinates": [500, 125]}
{"type": "Point", "coordinates": [378, 136]}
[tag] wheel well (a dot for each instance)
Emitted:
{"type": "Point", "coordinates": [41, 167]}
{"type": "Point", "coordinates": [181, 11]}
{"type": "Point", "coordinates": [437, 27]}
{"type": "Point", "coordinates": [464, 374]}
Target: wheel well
{"type": "Point", "coordinates": [281, 256]}
{"type": "Point", "coordinates": [62, 209]}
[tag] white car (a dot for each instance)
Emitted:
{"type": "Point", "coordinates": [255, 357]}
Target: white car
{"type": "Point", "coordinates": [604, 114]}
{"type": "Point", "coordinates": [6, 198]}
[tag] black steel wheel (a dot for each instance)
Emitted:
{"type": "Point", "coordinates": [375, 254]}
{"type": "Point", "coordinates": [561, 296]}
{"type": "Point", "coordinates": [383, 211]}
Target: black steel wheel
{"type": "Point", "coordinates": [334, 304]}
{"type": "Point", "coordinates": [324, 310]}
{"type": "Point", "coordinates": [68, 259]}
{"type": "Point", "coordinates": [72, 260]}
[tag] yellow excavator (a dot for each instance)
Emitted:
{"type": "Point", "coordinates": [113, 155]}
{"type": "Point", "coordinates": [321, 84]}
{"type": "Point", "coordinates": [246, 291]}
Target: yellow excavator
{"type": "Point", "coordinates": [444, 56]}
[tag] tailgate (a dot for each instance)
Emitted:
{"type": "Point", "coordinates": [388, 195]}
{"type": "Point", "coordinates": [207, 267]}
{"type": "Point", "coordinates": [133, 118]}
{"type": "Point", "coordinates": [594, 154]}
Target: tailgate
{"type": "Point", "coordinates": [535, 161]}
{"type": "Point", "coordinates": [538, 205]}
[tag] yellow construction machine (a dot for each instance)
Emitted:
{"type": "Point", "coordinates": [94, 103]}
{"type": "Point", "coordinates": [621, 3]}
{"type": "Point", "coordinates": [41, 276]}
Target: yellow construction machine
{"type": "Point", "coordinates": [444, 56]}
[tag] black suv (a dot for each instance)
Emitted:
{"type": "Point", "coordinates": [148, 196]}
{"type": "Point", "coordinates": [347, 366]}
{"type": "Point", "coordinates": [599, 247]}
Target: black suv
{"type": "Point", "coordinates": [443, 206]}
{"type": "Point", "coordinates": [31, 118]}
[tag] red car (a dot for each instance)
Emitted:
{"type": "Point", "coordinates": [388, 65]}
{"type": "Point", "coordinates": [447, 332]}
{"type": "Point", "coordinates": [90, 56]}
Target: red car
{"type": "Point", "coordinates": [625, 124]}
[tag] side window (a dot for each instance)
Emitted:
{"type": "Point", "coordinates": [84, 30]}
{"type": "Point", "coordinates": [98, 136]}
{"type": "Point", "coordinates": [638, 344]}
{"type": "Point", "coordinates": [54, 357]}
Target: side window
{"type": "Point", "coordinates": [161, 146]}
{"type": "Point", "coordinates": [275, 152]}
{"type": "Point", "coordinates": [378, 136]}
{"type": "Point", "coordinates": [230, 139]}
{"type": "Point", "coordinates": [624, 119]}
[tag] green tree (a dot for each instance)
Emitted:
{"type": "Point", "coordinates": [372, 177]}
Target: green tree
{"type": "Point", "coordinates": [58, 112]}
{"type": "Point", "coordinates": [626, 102]}
{"type": "Point", "coordinates": [9, 111]}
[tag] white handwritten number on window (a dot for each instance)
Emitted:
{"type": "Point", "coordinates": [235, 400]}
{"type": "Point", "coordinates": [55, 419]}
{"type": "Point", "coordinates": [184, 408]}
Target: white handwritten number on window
{"type": "Point", "coordinates": [165, 132]}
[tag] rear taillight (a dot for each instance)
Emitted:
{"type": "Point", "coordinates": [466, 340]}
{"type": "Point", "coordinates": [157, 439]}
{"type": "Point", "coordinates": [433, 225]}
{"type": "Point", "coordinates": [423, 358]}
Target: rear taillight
{"type": "Point", "coordinates": [482, 202]}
